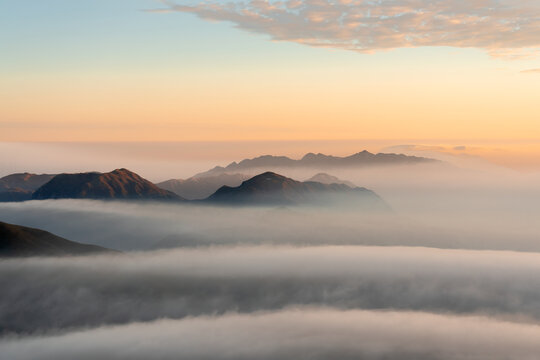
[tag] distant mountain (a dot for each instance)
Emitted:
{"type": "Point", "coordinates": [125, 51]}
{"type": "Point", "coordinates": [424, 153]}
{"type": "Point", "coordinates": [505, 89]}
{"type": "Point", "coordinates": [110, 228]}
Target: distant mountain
{"type": "Point", "coordinates": [318, 161]}
{"type": "Point", "coordinates": [273, 189]}
{"type": "Point", "coordinates": [196, 188]}
{"type": "Point", "coordinates": [329, 179]}
{"type": "Point", "coordinates": [24, 181]}
{"type": "Point", "coordinates": [18, 240]}
{"type": "Point", "coordinates": [118, 184]}
{"type": "Point", "coordinates": [19, 187]}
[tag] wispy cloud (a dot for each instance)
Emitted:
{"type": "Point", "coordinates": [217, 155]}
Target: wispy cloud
{"type": "Point", "coordinates": [531, 71]}
{"type": "Point", "coordinates": [504, 28]}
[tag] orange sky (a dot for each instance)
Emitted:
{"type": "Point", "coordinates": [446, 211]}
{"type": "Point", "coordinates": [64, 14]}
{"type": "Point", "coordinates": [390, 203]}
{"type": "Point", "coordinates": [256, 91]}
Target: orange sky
{"type": "Point", "coordinates": [292, 104]}
{"type": "Point", "coordinates": [111, 72]}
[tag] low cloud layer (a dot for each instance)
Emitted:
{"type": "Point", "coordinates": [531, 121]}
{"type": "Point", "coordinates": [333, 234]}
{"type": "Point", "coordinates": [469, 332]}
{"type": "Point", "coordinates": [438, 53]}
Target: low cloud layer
{"type": "Point", "coordinates": [267, 283]}
{"type": "Point", "coordinates": [459, 217]}
{"type": "Point", "coordinates": [531, 71]}
{"type": "Point", "coordinates": [294, 334]}
{"type": "Point", "coordinates": [505, 28]}
{"type": "Point", "coordinates": [59, 294]}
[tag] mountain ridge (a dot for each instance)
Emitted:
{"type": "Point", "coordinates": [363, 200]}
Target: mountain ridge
{"type": "Point", "coordinates": [319, 160]}
{"type": "Point", "coordinates": [20, 186]}
{"type": "Point", "coordinates": [329, 179]}
{"type": "Point", "coordinates": [270, 188]}
{"type": "Point", "coordinates": [21, 241]}
{"type": "Point", "coordinates": [24, 181]}
{"type": "Point", "coordinates": [117, 184]}
{"type": "Point", "coordinates": [197, 188]}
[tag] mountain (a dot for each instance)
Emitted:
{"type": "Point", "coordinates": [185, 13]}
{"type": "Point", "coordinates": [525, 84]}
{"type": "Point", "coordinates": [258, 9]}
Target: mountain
{"type": "Point", "coordinates": [18, 240]}
{"type": "Point", "coordinates": [19, 187]}
{"type": "Point", "coordinates": [273, 189]}
{"type": "Point", "coordinates": [15, 195]}
{"type": "Point", "coordinates": [24, 181]}
{"type": "Point", "coordinates": [329, 179]}
{"type": "Point", "coordinates": [318, 161]}
{"type": "Point", "coordinates": [118, 184]}
{"type": "Point", "coordinates": [201, 187]}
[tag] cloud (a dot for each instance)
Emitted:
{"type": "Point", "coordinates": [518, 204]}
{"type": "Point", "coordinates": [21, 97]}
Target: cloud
{"type": "Point", "coordinates": [504, 28]}
{"type": "Point", "coordinates": [444, 209]}
{"type": "Point", "coordinates": [61, 294]}
{"type": "Point", "coordinates": [531, 71]}
{"type": "Point", "coordinates": [293, 334]}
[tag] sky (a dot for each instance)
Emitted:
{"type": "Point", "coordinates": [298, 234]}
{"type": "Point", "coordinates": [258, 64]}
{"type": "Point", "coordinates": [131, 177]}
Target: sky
{"type": "Point", "coordinates": [444, 72]}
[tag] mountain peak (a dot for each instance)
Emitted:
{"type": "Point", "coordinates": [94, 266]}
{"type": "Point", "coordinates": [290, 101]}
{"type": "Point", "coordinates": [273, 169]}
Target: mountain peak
{"type": "Point", "coordinates": [122, 171]}
{"type": "Point", "coordinates": [117, 184]}
{"type": "Point", "coordinates": [363, 152]}
{"type": "Point", "coordinates": [268, 181]}
{"type": "Point", "coordinates": [268, 176]}
{"type": "Point", "coordinates": [270, 188]}
{"type": "Point", "coordinates": [313, 156]}
{"type": "Point", "coordinates": [325, 178]}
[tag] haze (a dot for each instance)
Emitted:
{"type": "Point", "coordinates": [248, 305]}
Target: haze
{"type": "Point", "coordinates": [298, 179]}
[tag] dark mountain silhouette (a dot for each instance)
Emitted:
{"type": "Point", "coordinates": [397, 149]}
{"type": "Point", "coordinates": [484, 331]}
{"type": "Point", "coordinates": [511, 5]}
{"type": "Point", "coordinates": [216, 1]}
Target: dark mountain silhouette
{"type": "Point", "coordinates": [196, 188]}
{"type": "Point", "coordinates": [19, 187]}
{"type": "Point", "coordinates": [318, 161]}
{"type": "Point", "coordinates": [118, 184]}
{"type": "Point", "coordinates": [273, 189]}
{"type": "Point", "coordinates": [329, 179]}
{"type": "Point", "coordinates": [18, 240]}
{"type": "Point", "coordinates": [15, 195]}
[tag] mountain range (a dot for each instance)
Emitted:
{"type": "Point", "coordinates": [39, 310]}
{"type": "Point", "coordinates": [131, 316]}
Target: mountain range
{"type": "Point", "coordinates": [267, 188]}
{"type": "Point", "coordinates": [117, 184]}
{"type": "Point", "coordinates": [234, 183]}
{"type": "Point", "coordinates": [18, 240]}
{"type": "Point", "coordinates": [317, 161]}
{"type": "Point", "coordinates": [273, 189]}
{"type": "Point", "coordinates": [196, 188]}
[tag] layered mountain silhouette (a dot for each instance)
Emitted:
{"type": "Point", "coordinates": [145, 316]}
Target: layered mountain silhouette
{"type": "Point", "coordinates": [117, 184]}
{"type": "Point", "coordinates": [273, 189]}
{"type": "Point", "coordinates": [329, 179]}
{"type": "Point", "coordinates": [19, 187]}
{"type": "Point", "coordinates": [18, 240]}
{"type": "Point", "coordinates": [196, 188]}
{"type": "Point", "coordinates": [318, 161]}
{"type": "Point", "coordinates": [200, 187]}
{"type": "Point", "coordinates": [268, 188]}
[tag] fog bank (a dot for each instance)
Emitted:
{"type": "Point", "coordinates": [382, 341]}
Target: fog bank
{"type": "Point", "coordinates": [146, 226]}
{"type": "Point", "coordinates": [304, 333]}
{"type": "Point", "coordinates": [57, 294]}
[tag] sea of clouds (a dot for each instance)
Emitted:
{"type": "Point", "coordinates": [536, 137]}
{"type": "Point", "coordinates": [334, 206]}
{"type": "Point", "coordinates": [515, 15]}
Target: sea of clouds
{"type": "Point", "coordinates": [452, 272]}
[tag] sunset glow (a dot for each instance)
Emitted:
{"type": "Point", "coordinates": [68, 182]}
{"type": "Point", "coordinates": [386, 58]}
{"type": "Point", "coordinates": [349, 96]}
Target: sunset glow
{"type": "Point", "coordinates": [269, 179]}
{"type": "Point", "coordinates": [170, 76]}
